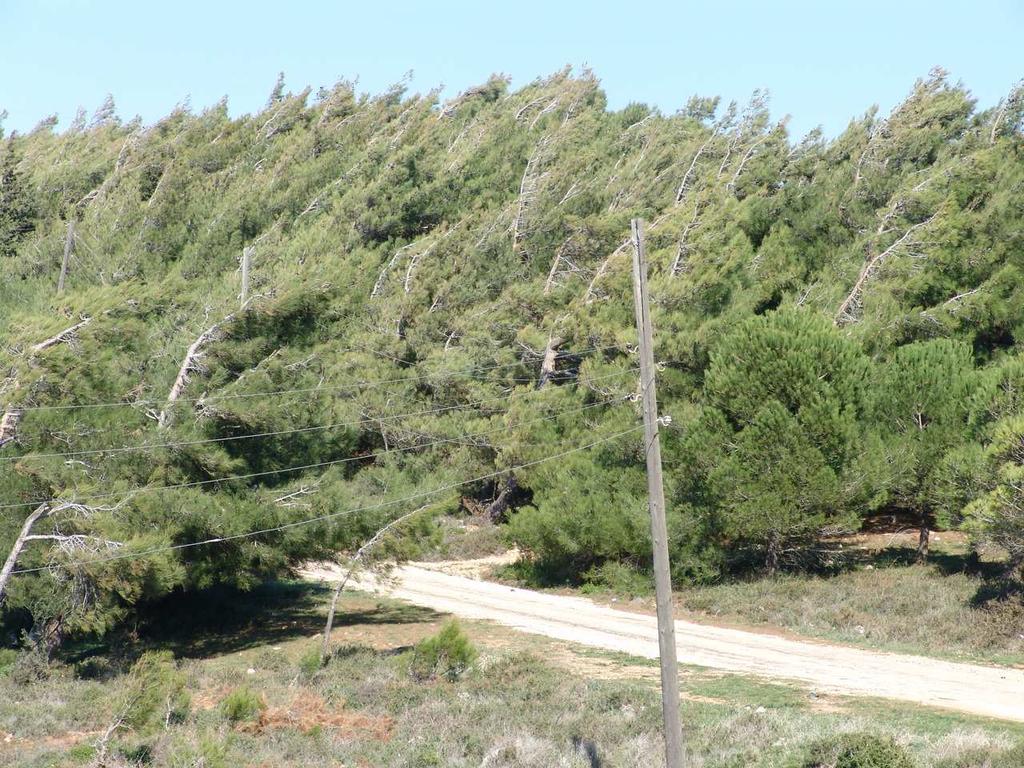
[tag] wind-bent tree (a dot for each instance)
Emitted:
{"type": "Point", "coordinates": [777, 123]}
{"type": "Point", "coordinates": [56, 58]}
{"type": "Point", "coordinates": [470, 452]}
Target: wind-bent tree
{"type": "Point", "coordinates": [17, 209]}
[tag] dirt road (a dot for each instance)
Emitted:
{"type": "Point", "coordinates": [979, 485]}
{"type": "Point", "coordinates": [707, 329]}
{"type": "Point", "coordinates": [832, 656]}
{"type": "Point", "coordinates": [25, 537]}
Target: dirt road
{"type": "Point", "coordinates": [981, 690]}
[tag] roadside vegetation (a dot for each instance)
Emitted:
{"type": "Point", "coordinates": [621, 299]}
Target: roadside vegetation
{"type": "Point", "coordinates": [235, 680]}
{"type": "Point", "coordinates": [956, 605]}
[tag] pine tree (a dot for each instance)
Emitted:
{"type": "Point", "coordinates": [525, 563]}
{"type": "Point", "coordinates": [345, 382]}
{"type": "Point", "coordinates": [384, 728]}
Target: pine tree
{"type": "Point", "coordinates": [17, 211]}
{"type": "Point", "coordinates": [921, 407]}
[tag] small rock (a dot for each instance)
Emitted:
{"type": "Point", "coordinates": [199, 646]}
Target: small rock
{"type": "Point", "coordinates": [250, 671]}
{"type": "Point", "coordinates": [760, 710]}
{"type": "Point", "coordinates": [860, 629]}
{"type": "Point", "coordinates": [869, 567]}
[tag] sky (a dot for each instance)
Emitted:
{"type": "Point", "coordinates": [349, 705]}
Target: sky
{"type": "Point", "coordinates": [823, 62]}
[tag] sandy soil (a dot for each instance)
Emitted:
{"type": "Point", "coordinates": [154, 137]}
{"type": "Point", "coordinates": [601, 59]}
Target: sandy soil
{"type": "Point", "coordinates": [829, 669]}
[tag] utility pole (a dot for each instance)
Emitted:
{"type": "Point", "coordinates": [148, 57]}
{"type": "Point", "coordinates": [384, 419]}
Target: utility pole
{"type": "Point", "coordinates": [656, 504]}
{"type": "Point", "coordinates": [69, 248]}
{"type": "Point", "coordinates": [246, 261]}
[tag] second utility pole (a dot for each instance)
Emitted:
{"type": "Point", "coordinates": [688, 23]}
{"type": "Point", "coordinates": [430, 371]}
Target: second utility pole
{"type": "Point", "coordinates": [656, 503]}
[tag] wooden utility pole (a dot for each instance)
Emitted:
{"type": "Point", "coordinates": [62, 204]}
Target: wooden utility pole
{"type": "Point", "coordinates": [69, 248]}
{"type": "Point", "coordinates": [656, 504]}
{"type": "Point", "coordinates": [246, 261]}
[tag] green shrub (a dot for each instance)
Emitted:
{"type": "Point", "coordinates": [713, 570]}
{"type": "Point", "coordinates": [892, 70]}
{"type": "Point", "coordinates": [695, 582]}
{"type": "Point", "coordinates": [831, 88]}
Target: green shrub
{"type": "Point", "coordinates": [29, 666]}
{"type": "Point", "coordinates": [137, 754]}
{"type": "Point", "coordinates": [1011, 758]}
{"type": "Point", "coordinates": [618, 578]}
{"type": "Point", "coordinates": [81, 753]}
{"type": "Point", "coordinates": [242, 704]}
{"type": "Point", "coordinates": [8, 656]}
{"type": "Point", "coordinates": [272, 659]}
{"type": "Point", "coordinates": [857, 750]}
{"type": "Point", "coordinates": [153, 692]}
{"type": "Point", "coordinates": [309, 662]}
{"type": "Point", "coordinates": [447, 654]}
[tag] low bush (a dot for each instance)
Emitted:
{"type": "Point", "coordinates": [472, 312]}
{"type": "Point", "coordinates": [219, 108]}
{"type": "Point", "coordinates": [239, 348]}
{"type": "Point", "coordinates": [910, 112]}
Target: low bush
{"type": "Point", "coordinates": [857, 750]}
{"type": "Point", "coordinates": [154, 693]}
{"type": "Point", "coordinates": [242, 704]}
{"type": "Point", "coordinates": [29, 666]}
{"type": "Point", "coordinates": [618, 578]}
{"type": "Point", "coordinates": [447, 654]}
{"type": "Point", "coordinates": [8, 656]}
{"type": "Point", "coordinates": [310, 663]}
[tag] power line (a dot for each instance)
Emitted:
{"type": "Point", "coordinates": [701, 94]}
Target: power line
{"type": "Point", "coordinates": [318, 465]}
{"type": "Point", "coordinates": [297, 430]}
{"type": "Point", "coordinates": [307, 390]}
{"type": "Point", "coordinates": [332, 515]}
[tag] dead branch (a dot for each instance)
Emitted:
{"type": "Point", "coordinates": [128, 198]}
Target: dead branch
{"type": "Point", "coordinates": [552, 105]}
{"type": "Point", "coordinates": [549, 361]}
{"type": "Point", "coordinates": [498, 508]}
{"type": "Point", "coordinates": [563, 256]}
{"type": "Point", "coordinates": [591, 293]}
{"type": "Point", "coordinates": [66, 335]}
{"type": "Point", "coordinates": [685, 183]}
{"type": "Point", "coordinates": [375, 539]}
{"type": "Point", "coordinates": [847, 312]}
{"type": "Point", "coordinates": [879, 129]}
{"type": "Point", "coordinates": [416, 257]}
{"type": "Point", "coordinates": [9, 424]}
{"type": "Point", "coordinates": [683, 249]}
{"type": "Point", "coordinates": [528, 187]}
{"type": "Point", "coordinates": [289, 499]}
{"type": "Point", "coordinates": [1013, 101]}
{"type": "Point", "coordinates": [13, 412]}
{"type": "Point", "coordinates": [730, 147]}
{"type": "Point", "coordinates": [749, 153]}
{"type": "Point", "coordinates": [493, 225]}
{"type": "Point", "coordinates": [388, 267]}
{"type": "Point", "coordinates": [188, 365]}
{"type": "Point", "coordinates": [44, 510]}
{"type": "Point", "coordinates": [528, 106]}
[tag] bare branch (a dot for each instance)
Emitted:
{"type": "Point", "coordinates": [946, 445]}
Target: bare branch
{"type": "Point", "coordinates": [528, 188]}
{"type": "Point", "coordinates": [547, 366]}
{"type": "Point", "coordinates": [683, 249]}
{"type": "Point", "coordinates": [67, 335]}
{"type": "Point", "coordinates": [847, 312]}
{"type": "Point", "coordinates": [9, 424]}
{"type": "Point", "coordinates": [326, 646]}
{"type": "Point", "coordinates": [190, 364]}
{"type": "Point", "coordinates": [685, 183]}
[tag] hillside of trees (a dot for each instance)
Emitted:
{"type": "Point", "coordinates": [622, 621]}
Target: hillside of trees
{"type": "Point", "coordinates": [439, 313]}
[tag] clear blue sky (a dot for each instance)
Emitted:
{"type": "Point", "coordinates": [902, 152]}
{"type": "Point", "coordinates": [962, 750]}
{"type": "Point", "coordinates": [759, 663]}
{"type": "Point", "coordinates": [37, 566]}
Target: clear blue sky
{"type": "Point", "coordinates": [824, 62]}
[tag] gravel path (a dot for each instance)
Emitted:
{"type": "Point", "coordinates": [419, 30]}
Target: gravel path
{"type": "Point", "coordinates": [834, 669]}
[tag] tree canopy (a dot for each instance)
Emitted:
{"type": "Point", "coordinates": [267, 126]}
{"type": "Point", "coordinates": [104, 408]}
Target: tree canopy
{"type": "Point", "coordinates": [440, 293]}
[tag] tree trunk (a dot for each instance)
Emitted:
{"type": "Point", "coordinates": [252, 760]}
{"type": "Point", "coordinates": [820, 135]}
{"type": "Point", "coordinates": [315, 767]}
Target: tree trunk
{"type": "Point", "coordinates": [325, 648]}
{"type": "Point", "coordinates": [771, 561]}
{"type": "Point", "coordinates": [923, 539]}
{"type": "Point", "coordinates": [550, 361]}
{"type": "Point", "coordinates": [5, 573]}
{"type": "Point", "coordinates": [498, 509]}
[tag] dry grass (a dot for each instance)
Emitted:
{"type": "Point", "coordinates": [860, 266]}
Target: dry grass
{"type": "Point", "coordinates": [528, 703]}
{"type": "Point", "coordinates": [905, 608]}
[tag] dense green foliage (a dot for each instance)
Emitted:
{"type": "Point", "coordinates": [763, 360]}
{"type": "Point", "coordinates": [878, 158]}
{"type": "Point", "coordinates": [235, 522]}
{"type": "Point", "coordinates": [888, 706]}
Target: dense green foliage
{"type": "Point", "coordinates": [448, 654]}
{"type": "Point", "coordinates": [858, 750]}
{"type": "Point", "coordinates": [839, 323]}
